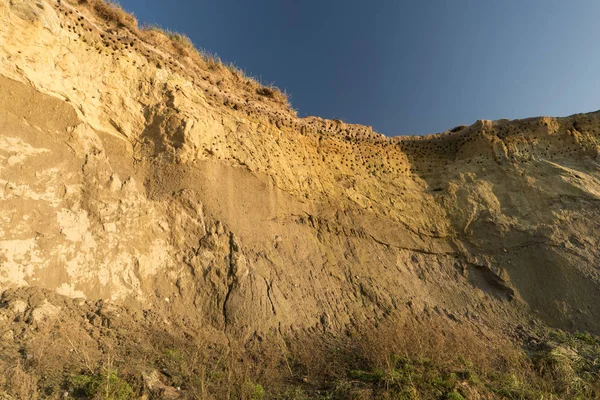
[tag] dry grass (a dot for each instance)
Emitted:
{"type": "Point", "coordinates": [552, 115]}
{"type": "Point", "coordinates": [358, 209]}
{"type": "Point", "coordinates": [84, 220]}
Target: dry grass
{"type": "Point", "coordinates": [181, 39]}
{"type": "Point", "coordinates": [273, 92]}
{"type": "Point", "coordinates": [212, 61]}
{"type": "Point", "coordinates": [111, 12]}
{"type": "Point", "coordinates": [181, 44]}
{"type": "Point", "coordinates": [182, 48]}
{"type": "Point", "coordinates": [458, 128]}
{"type": "Point", "coordinates": [17, 382]}
{"type": "Point", "coordinates": [434, 359]}
{"type": "Point", "coordinates": [438, 360]}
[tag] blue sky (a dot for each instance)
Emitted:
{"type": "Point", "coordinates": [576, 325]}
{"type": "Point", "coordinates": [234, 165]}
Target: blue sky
{"type": "Point", "coordinates": [404, 67]}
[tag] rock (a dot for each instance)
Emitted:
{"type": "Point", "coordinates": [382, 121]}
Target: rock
{"type": "Point", "coordinates": [152, 381]}
{"type": "Point", "coordinates": [18, 306]}
{"type": "Point", "coordinates": [44, 312]}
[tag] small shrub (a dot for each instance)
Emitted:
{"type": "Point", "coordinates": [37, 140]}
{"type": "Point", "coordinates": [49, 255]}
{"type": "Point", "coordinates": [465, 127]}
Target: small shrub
{"type": "Point", "coordinates": [106, 386]}
{"type": "Point", "coordinates": [173, 354]}
{"type": "Point", "coordinates": [454, 396]}
{"type": "Point", "coordinates": [255, 391]}
{"type": "Point", "coordinates": [585, 337]}
{"type": "Point", "coordinates": [83, 385]}
{"type": "Point", "coordinates": [295, 393]}
{"type": "Point", "coordinates": [469, 376]}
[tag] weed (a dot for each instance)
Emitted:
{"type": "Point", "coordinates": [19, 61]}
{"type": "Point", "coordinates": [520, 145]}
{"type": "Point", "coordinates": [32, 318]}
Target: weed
{"type": "Point", "coordinates": [255, 391]}
{"type": "Point", "coordinates": [173, 354]}
{"type": "Point", "coordinates": [586, 337]}
{"type": "Point", "coordinates": [454, 396]}
{"type": "Point", "coordinates": [294, 393]}
{"type": "Point", "coordinates": [367, 377]}
{"type": "Point", "coordinates": [106, 385]}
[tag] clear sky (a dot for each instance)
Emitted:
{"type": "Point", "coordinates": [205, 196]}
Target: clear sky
{"type": "Point", "coordinates": [404, 67]}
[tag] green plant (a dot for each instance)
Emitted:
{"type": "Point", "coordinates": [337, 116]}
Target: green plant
{"type": "Point", "coordinates": [586, 337]}
{"type": "Point", "coordinates": [255, 391]}
{"type": "Point", "coordinates": [469, 376]}
{"type": "Point", "coordinates": [294, 393]}
{"type": "Point", "coordinates": [104, 386]}
{"type": "Point", "coordinates": [173, 354]}
{"type": "Point", "coordinates": [367, 377]}
{"type": "Point", "coordinates": [454, 396]}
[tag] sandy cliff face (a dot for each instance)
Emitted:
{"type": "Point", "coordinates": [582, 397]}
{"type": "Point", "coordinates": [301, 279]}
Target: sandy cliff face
{"type": "Point", "coordinates": [131, 174]}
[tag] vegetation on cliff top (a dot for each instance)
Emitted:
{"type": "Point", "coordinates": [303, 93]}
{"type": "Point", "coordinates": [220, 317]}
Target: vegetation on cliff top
{"type": "Point", "coordinates": [181, 46]}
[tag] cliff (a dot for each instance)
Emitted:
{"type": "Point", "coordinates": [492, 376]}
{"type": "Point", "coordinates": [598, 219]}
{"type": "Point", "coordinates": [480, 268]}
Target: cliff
{"type": "Point", "coordinates": [139, 176]}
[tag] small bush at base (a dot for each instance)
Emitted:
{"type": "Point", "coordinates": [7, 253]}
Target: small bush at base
{"type": "Point", "coordinates": [108, 386]}
{"type": "Point", "coordinates": [454, 396]}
